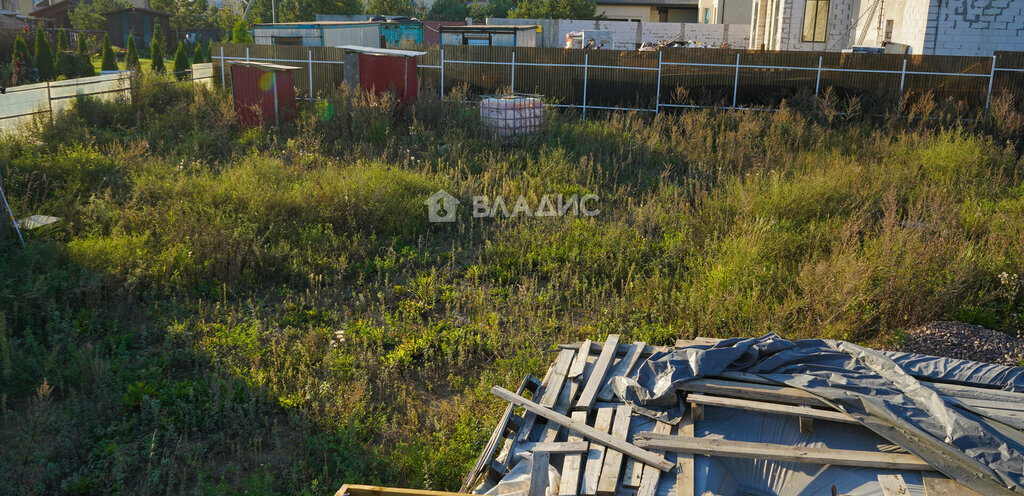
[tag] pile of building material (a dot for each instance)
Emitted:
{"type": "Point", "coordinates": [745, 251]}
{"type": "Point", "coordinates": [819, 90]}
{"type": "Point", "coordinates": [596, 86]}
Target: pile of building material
{"type": "Point", "coordinates": [756, 417]}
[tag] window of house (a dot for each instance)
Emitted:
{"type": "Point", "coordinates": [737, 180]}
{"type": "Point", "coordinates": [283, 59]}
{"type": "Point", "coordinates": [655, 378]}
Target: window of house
{"type": "Point", "coordinates": [287, 40]}
{"type": "Point", "coordinates": [888, 30]}
{"type": "Point", "coordinates": [815, 20]}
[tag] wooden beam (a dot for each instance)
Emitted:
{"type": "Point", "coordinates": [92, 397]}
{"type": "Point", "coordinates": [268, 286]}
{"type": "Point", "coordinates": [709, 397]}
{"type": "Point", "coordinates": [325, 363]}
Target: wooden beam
{"type": "Point", "coordinates": [892, 485]}
{"type": "Point", "coordinates": [766, 407]}
{"type": "Point", "coordinates": [563, 448]}
{"type": "Point", "coordinates": [366, 490]}
{"type": "Point", "coordinates": [492, 444]}
{"type": "Point", "coordinates": [760, 392]}
{"type": "Point", "coordinates": [580, 363]}
{"type": "Point", "coordinates": [780, 452]}
{"type": "Point", "coordinates": [539, 473]}
{"type": "Point", "coordinates": [570, 481]}
{"type": "Point", "coordinates": [936, 484]}
{"type": "Point", "coordinates": [596, 380]}
{"type": "Point", "coordinates": [595, 458]}
{"type": "Point", "coordinates": [552, 384]}
{"type": "Point", "coordinates": [585, 430]}
{"type": "Point", "coordinates": [609, 480]}
{"type": "Point", "coordinates": [651, 475]}
{"type": "Point", "coordinates": [685, 477]}
{"type": "Point", "coordinates": [622, 368]}
{"type": "Point", "coordinates": [620, 351]}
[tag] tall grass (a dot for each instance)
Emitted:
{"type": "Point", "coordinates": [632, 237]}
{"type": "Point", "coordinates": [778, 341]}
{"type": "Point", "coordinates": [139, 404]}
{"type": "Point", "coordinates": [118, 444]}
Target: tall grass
{"type": "Point", "coordinates": [235, 311]}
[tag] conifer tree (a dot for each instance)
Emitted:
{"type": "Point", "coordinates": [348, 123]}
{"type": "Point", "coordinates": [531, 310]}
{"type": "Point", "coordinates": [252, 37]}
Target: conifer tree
{"type": "Point", "coordinates": [44, 56]}
{"type": "Point", "coordinates": [181, 65]}
{"type": "Point", "coordinates": [109, 63]}
{"type": "Point", "coordinates": [131, 59]}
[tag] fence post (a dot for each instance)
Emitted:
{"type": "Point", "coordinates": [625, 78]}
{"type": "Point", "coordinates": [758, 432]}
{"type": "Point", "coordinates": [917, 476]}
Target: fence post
{"type": "Point", "coordinates": [903, 77]}
{"type": "Point", "coordinates": [49, 101]}
{"type": "Point", "coordinates": [513, 85]}
{"type": "Point", "coordinates": [442, 73]}
{"type": "Point", "coordinates": [223, 69]}
{"type": "Point", "coordinates": [736, 81]}
{"type": "Point", "coordinates": [817, 81]}
{"type": "Point", "coordinates": [657, 93]}
{"type": "Point", "coordinates": [991, 77]}
{"type": "Point", "coordinates": [311, 75]}
{"type": "Point", "coordinates": [586, 62]}
{"type": "Point", "coordinates": [246, 54]}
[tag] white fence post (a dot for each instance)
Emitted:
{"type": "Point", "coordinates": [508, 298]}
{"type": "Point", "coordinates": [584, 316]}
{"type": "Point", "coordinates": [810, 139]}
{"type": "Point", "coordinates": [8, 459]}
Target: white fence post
{"type": "Point", "coordinates": [310, 51]}
{"type": "Point", "coordinates": [442, 73]}
{"type": "Point", "coordinates": [246, 54]}
{"type": "Point", "coordinates": [991, 77]}
{"type": "Point", "coordinates": [513, 85]}
{"type": "Point", "coordinates": [586, 59]}
{"type": "Point", "coordinates": [817, 81]}
{"type": "Point", "coordinates": [903, 77]}
{"type": "Point", "coordinates": [223, 69]}
{"type": "Point", "coordinates": [657, 93]}
{"type": "Point", "coordinates": [736, 81]}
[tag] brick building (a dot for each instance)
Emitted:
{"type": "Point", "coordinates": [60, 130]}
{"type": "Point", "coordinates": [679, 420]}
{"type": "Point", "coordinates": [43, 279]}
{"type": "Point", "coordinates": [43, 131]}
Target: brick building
{"type": "Point", "coordinates": [937, 27]}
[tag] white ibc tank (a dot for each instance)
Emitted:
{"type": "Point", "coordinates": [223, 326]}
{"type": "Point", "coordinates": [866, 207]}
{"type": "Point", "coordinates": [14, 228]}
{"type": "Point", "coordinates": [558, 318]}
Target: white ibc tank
{"type": "Point", "coordinates": [510, 115]}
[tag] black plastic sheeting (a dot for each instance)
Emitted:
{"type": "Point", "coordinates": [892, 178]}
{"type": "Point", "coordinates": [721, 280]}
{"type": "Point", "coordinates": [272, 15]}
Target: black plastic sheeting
{"type": "Point", "coordinates": [880, 390]}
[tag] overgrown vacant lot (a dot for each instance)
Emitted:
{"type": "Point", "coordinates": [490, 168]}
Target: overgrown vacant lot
{"type": "Point", "coordinates": [250, 312]}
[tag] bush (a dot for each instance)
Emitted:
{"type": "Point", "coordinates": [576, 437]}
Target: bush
{"type": "Point", "coordinates": [44, 56]}
{"type": "Point", "coordinates": [21, 62]}
{"type": "Point", "coordinates": [62, 43]}
{"type": "Point", "coordinates": [131, 59]}
{"type": "Point", "coordinates": [240, 33]}
{"type": "Point", "coordinates": [181, 65]}
{"type": "Point", "coordinates": [109, 63]}
{"type": "Point", "coordinates": [198, 57]}
{"type": "Point", "coordinates": [156, 53]}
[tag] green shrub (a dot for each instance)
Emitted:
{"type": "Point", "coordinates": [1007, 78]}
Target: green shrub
{"type": "Point", "coordinates": [156, 53]}
{"type": "Point", "coordinates": [240, 33]}
{"type": "Point", "coordinates": [62, 43]}
{"type": "Point", "coordinates": [131, 59]}
{"type": "Point", "coordinates": [109, 63]}
{"type": "Point", "coordinates": [43, 56]}
{"type": "Point", "coordinates": [181, 65]}
{"type": "Point", "coordinates": [198, 57]}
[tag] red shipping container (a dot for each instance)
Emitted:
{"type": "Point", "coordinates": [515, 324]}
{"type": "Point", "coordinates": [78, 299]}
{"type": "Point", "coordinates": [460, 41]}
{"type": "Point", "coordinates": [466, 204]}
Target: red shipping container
{"type": "Point", "coordinates": [263, 93]}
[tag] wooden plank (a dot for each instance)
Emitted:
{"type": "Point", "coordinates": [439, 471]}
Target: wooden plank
{"type": "Point", "coordinates": [609, 480]}
{"type": "Point", "coordinates": [779, 452]}
{"type": "Point", "coordinates": [584, 430]}
{"type": "Point", "coordinates": [570, 482]}
{"type": "Point", "coordinates": [622, 368]}
{"type": "Point", "coordinates": [492, 444]}
{"type": "Point", "coordinates": [892, 485]}
{"type": "Point", "coordinates": [366, 490]}
{"type": "Point", "coordinates": [766, 407]}
{"type": "Point", "coordinates": [685, 477]}
{"type": "Point", "coordinates": [806, 425]}
{"type": "Point", "coordinates": [578, 365]}
{"type": "Point", "coordinates": [936, 484]}
{"type": "Point", "coordinates": [597, 348]}
{"type": "Point", "coordinates": [697, 411]}
{"type": "Point", "coordinates": [596, 380]}
{"type": "Point", "coordinates": [651, 475]}
{"type": "Point", "coordinates": [760, 392]}
{"type": "Point", "coordinates": [595, 457]}
{"type": "Point", "coordinates": [633, 474]}
{"type": "Point", "coordinates": [539, 473]}
{"type": "Point", "coordinates": [552, 389]}
{"type": "Point", "coordinates": [557, 448]}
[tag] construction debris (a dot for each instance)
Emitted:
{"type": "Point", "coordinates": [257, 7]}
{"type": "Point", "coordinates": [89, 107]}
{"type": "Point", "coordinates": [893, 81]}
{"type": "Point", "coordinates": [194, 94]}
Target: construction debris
{"type": "Point", "coordinates": [758, 416]}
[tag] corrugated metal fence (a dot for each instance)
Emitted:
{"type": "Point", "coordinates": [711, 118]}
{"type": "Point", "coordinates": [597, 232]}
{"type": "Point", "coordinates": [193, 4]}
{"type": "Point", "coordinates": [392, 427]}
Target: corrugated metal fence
{"type": "Point", "coordinates": [670, 78]}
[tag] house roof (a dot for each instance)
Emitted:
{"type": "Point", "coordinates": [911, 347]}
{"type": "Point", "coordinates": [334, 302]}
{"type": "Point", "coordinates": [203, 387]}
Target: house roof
{"type": "Point", "coordinates": [140, 10]}
{"type": "Point", "coordinates": [757, 416]}
{"type": "Point", "coordinates": [51, 9]}
{"type": "Point", "coordinates": [650, 3]}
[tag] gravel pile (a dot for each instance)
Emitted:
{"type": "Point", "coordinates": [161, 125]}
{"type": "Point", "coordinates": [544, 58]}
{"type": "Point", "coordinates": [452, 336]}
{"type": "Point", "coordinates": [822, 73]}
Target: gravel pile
{"type": "Point", "coordinates": [965, 341]}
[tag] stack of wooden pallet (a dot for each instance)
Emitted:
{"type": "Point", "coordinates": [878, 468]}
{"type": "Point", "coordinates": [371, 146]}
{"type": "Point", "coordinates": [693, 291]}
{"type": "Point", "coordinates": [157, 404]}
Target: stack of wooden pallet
{"type": "Point", "coordinates": [574, 423]}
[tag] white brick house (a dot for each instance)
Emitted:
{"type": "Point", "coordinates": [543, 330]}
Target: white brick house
{"type": "Point", "coordinates": [936, 27]}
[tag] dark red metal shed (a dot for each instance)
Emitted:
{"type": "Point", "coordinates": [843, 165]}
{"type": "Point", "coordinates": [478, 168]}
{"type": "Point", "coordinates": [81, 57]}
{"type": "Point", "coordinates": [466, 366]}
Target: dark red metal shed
{"type": "Point", "coordinates": [381, 70]}
{"type": "Point", "coordinates": [263, 93]}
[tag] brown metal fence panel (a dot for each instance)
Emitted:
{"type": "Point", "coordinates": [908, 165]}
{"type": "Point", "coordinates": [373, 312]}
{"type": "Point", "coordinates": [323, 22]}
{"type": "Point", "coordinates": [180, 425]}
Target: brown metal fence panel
{"type": "Point", "coordinates": [671, 77]}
